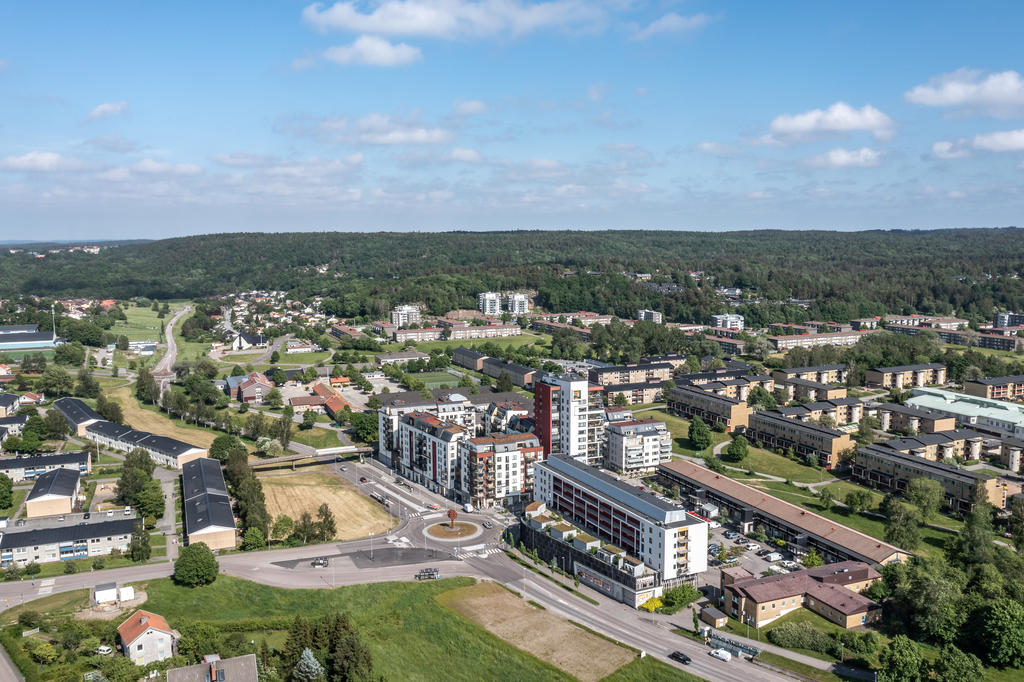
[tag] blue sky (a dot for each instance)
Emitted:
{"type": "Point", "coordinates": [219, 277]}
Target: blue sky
{"type": "Point", "coordinates": [148, 120]}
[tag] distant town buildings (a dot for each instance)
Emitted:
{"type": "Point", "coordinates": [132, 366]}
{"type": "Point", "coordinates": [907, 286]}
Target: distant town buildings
{"type": "Point", "coordinates": [404, 315]}
{"type": "Point", "coordinates": [727, 321]}
{"type": "Point", "coordinates": [649, 316]}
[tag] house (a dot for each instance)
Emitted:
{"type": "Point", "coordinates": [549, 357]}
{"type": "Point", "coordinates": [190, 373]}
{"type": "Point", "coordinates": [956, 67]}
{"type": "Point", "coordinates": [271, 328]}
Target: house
{"type": "Point", "coordinates": [215, 669]}
{"type": "Point", "coordinates": [206, 509]}
{"type": "Point", "coordinates": [305, 403]}
{"type": "Point", "coordinates": [32, 399]}
{"type": "Point", "coordinates": [243, 341]}
{"type": "Point", "coordinates": [254, 389]}
{"type": "Point", "coordinates": [54, 492]}
{"type": "Point", "coordinates": [9, 404]}
{"type": "Point", "coordinates": [146, 638]}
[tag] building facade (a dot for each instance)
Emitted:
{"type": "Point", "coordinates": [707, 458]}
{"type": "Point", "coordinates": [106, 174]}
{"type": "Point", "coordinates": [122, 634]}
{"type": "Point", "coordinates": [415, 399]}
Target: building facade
{"type": "Point", "coordinates": [498, 469]}
{"type": "Point", "coordinates": [727, 321]}
{"type": "Point", "coordinates": [690, 402]}
{"type": "Point", "coordinates": [775, 430]}
{"type": "Point", "coordinates": [404, 315]}
{"type": "Point", "coordinates": [570, 417]}
{"type": "Point", "coordinates": [489, 303]}
{"type": "Point", "coordinates": [428, 450]}
{"type": "Point", "coordinates": [637, 446]}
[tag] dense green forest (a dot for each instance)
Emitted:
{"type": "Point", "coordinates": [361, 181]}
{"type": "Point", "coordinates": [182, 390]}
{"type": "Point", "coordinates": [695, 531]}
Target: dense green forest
{"type": "Point", "coordinates": [844, 274]}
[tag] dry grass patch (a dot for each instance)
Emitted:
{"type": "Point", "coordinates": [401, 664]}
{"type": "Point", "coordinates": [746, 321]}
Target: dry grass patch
{"type": "Point", "coordinates": [357, 515]}
{"type": "Point", "coordinates": [545, 635]}
{"type": "Point", "coordinates": [157, 422]}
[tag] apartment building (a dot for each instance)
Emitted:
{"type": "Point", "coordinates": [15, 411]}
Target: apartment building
{"type": "Point", "coordinates": [55, 492]}
{"type": "Point", "coordinates": [428, 452]}
{"type": "Point", "coordinates": [750, 507]}
{"type": "Point", "coordinates": [822, 374]}
{"type": "Point", "coordinates": [30, 467]}
{"type": "Point", "coordinates": [865, 323]}
{"type": "Point", "coordinates": [550, 327]}
{"type": "Point", "coordinates": [775, 430]}
{"type": "Point", "coordinates": [833, 591]}
{"type": "Point", "coordinates": [646, 315]}
{"type": "Point", "coordinates": [517, 304]}
{"type": "Point", "coordinates": [797, 389]}
{"type": "Point", "coordinates": [727, 321]}
{"type": "Point", "coordinates": [520, 375]}
{"type": "Point", "coordinates": [997, 417]}
{"type": "Point", "coordinates": [74, 538]}
{"type": "Point", "coordinates": [454, 409]}
{"type": "Point", "coordinates": [637, 446]}
{"type": "Point", "coordinates": [690, 402]}
{"type": "Point", "coordinates": [1008, 319]}
{"type": "Point", "coordinates": [955, 443]}
{"type": "Point", "coordinates": [964, 337]}
{"type": "Point", "coordinates": [468, 358]}
{"type": "Point", "coordinates": [911, 419]}
{"type": "Point", "coordinates": [841, 411]}
{"type": "Point", "coordinates": [632, 373]}
{"type": "Point", "coordinates": [498, 469]}
{"type": "Point", "coordinates": [489, 303]}
{"type": "Point", "coordinates": [848, 338]}
{"type": "Point", "coordinates": [660, 534]}
{"type": "Point", "coordinates": [890, 469]}
{"type": "Point", "coordinates": [569, 417]}
{"type": "Point", "coordinates": [635, 394]}
{"type": "Point", "coordinates": [461, 331]}
{"type": "Point", "coordinates": [165, 451]}
{"type": "Point", "coordinates": [416, 335]}
{"type": "Point", "coordinates": [729, 346]}
{"type": "Point", "coordinates": [404, 315]}
{"type": "Point", "coordinates": [996, 388]}
{"type": "Point", "coordinates": [740, 387]}
{"type": "Point", "coordinates": [77, 414]}
{"type": "Point", "coordinates": [341, 332]}
{"type": "Point", "coordinates": [905, 376]}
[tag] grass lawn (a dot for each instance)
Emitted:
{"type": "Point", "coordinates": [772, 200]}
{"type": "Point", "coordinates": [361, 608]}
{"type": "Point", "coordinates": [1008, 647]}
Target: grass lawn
{"type": "Point", "coordinates": [65, 602]}
{"type": "Point", "coordinates": [649, 669]}
{"type": "Point", "coordinates": [679, 428]}
{"type": "Point", "coordinates": [316, 437]}
{"type": "Point", "coordinates": [56, 568]}
{"type": "Point", "coordinates": [157, 539]}
{"type": "Point", "coordinates": [106, 382]}
{"type": "Point", "coordinates": [802, 669]}
{"type": "Point", "coordinates": [985, 471]}
{"type": "Point", "coordinates": [18, 496]}
{"type": "Point", "coordinates": [305, 358]}
{"type": "Point", "coordinates": [150, 418]}
{"type": "Point", "coordinates": [142, 323]}
{"type": "Point", "coordinates": [841, 489]}
{"type": "Point", "coordinates": [240, 358]}
{"type": "Point", "coordinates": [766, 462]}
{"type": "Point", "coordinates": [106, 458]}
{"type": "Point", "coordinates": [437, 379]}
{"type": "Point", "coordinates": [410, 635]}
{"type": "Point", "coordinates": [515, 341]}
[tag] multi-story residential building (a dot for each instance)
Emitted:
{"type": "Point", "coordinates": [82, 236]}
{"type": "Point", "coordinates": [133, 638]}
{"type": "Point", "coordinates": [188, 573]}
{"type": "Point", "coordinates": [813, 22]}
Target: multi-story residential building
{"type": "Point", "coordinates": [404, 315]}
{"type": "Point", "coordinates": [77, 414]}
{"type": "Point", "coordinates": [848, 338]}
{"type": "Point", "coordinates": [822, 374]}
{"type": "Point", "coordinates": [910, 419]}
{"type": "Point", "coordinates": [165, 451]}
{"type": "Point", "coordinates": [498, 469]}
{"type": "Point", "coordinates": [29, 467]}
{"type": "Point", "coordinates": [796, 389]}
{"type": "Point", "coordinates": [489, 303]}
{"type": "Point", "coordinates": [637, 446]}
{"type": "Point", "coordinates": [740, 387]}
{"type": "Point", "coordinates": [470, 359]}
{"type": "Point", "coordinates": [728, 346]}
{"type": "Point", "coordinates": [206, 507]}
{"type": "Point", "coordinates": [841, 411]}
{"type": "Point", "coordinates": [453, 409]}
{"type": "Point", "coordinates": [955, 443]}
{"type": "Point", "coordinates": [569, 417]}
{"type": "Point", "coordinates": [341, 331]}
{"type": "Point", "coordinates": [462, 331]}
{"type": "Point", "coordinates": [416, 335]}
{"type": "Point", "coordinates": [649, 316]}
{"type": "Point", "coordinates": [865, 323]}
{"type": "Point", "coordinates": [550, 327]}
{"type": "Point", "coordinates": [996, 388]}
{"type": "Point", "coordinates": [1008, 319]}
{"type": "Point", "coordinates": [636, 394]}
{"type": "Point", "coordinates": [517, 304]}
{"type": "Point", "coordinates": [833, 591]}
{"type": "Point", "coordinates": [632, 373]}
{"type": "Point", "coordinates": [997, 417]}
{"type": "Point", "coordinates": [727, 321]}
{"type": "Point", "coordinates": [905, 376]}
{"type": "Point", "coordinates": [428, 452]}
{"type": "Point", "coordinates": [750, 507]}
{"type": "Point", "coordinates": [520, 375]}
{"type": "Point", "coordinates": [661, 534]}
{"type": "Point", "coordinates": [73, 538]}
{"type": "Point", "coordinates": [963, 337]}
{"type": "Point", "coordinates": [778, 431]}
{"type": "Point", "coordinates": [690, 402]}
{"type": "Point", "coordinates": [890, 469]}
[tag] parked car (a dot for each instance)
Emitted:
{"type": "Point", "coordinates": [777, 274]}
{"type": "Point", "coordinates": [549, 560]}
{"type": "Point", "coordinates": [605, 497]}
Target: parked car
{"type": "Point", "coordinates": [321, 562]}
{"type": "Point", "coordinates": [104, 650]}
{"type": "Point", "coordinates": [730, 534]}
{"type": "Point", "coordinates": [714, 524]}
{"type": "Point", "coordinates": [488, 525]}
{"type": "Point", "coordinates": [362, 479]}
{"type": "Point", "coordinates": [791, 565]}
{"type": "Point", "coordinates": [753, 547]}
{"type": "Point", "coordinates": [713, 548]}
{"type": "Point", "coordinates": [679, 657]}
{"type": "Point", "coordinates": [764, 552]}
{"type": "Point", "coordinates": [722, 654]}
{"type": "Point", "coordinates": [467, 507]}
{"type": "Point", "coordinates": [772, 557]}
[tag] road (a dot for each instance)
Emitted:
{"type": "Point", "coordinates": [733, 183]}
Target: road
{"type": "Point", "coordinates": [396, 555]}
{"type": "Point", "coordinates": [164, 369]}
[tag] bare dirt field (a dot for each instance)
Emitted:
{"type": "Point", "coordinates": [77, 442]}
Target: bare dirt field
{"type": "Point", "coordinates": [157, 422]}
{"type": "Point", "coordinates": [356, 514]}
{"type": "Point", "coordinates": [545, 635]}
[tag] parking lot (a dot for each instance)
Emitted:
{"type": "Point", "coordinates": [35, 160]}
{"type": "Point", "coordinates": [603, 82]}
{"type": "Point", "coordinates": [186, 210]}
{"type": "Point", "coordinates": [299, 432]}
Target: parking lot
{"type": "Point", "coordinates": [748, 559]}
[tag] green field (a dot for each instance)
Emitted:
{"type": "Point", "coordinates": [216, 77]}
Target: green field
{"type": "Point", "coordinates": [515, 341]}
{"type": "Point", "coordinates": [437, 379]}
{"type": "Point", "coordinates": [305, 358]}
{"type": "Point", "coordinates": [142, 323]}
{"type": "Point", "coordinates": [411, 636]}
{"type": "Point", "coordinates": [316, 437]}
{"type": "Point", "coordinates": [650, 669]}
{"type": "Point", "coordinates": [241, 358]}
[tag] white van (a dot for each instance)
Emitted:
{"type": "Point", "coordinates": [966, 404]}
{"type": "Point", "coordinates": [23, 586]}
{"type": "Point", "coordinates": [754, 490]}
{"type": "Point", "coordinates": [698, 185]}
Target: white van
{"type": "Point", "coordinates": [773, 557]}
{"type": "Point", "coordinates": [467, 507]}
{"type": "Point", "coordinates": [722, 654]}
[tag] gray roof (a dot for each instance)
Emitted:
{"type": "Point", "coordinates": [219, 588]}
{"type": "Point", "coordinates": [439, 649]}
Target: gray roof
{"type": "Point", "coordinates": [66, 533]}
{"type": "Point", "coordinates": [18, 328]}
{"type": "Point", "coordinates": [75, 411]}
{"type": "Point", "coordinates": [57, 459]}
{"type": "Point", "coordinates": [8, 400]}
{"type": "Point", "coordinates": [134, 438]}
{"type": "Point", "coordinates": [202, 475]}
{"type": "Point", "coordinates": [14, 420]}
{"type": "Point", "coordinates": [999, 381]}
{"type": "Point", "coordinates": [25, 338]}
{"type": "Point", "coordinates": [911, 368]}
{"type": "Point", "coordinates": [57, 482]}
{"type": "Point", "coordinates": [206, 500]}
{"type": "Point", "coordinates": [815, 368]}
{"type": "Point", "coordinates": [237, 669]}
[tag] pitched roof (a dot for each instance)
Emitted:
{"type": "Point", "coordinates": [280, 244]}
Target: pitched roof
{"type": "Point", "coordinates": [33, 461]}
{"type": "Point", "coordinates": [239, 668]}
{"type": "Point", "coordinates": [62, 482]}
{"type": "Point", "coordinates": [825, 583]}
{"type": "Point", "coordinates": [75, 411]}
{"type": "Point", "coordinates": [205, 493]}
{"type": "Point", "coordinates": [67, 533]}
{"type": "Point", "coordinates": [138, 623]}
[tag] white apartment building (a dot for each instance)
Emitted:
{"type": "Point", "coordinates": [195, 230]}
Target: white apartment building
{"type": "Point", "coordinates": [517, 304]}
{"type": "Point", "coordinates": [727, 321]}
{"type": "Point", "coordinates": [576, 411]}
{"type": "Point", "coordinates": [489, 303]}
{"type": "Point", "coordinates": [428, 452]}
{"type": "Point", "coordinates": [404, 315]}
{"type": "Point", "coordinates": [649, 316]}
{"type": "Point", "coordinates": [457, 409]}
{"type": "Point", "coordinates": [659, 533]}
{"type": "Point", "coordinates": [637, 446]}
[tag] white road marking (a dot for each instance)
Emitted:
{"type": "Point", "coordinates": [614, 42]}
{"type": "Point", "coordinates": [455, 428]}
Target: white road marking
{"type": "Point", "coordinates": [48, 581]}
{"type": "Point", "coordinates": [407, 503]}
{"type": "Point", "coordinates": [427, 517]}
{"type": "Point", "coordinates": [473, 548]}
{"type": "Point", "coordinates": [45, 590]}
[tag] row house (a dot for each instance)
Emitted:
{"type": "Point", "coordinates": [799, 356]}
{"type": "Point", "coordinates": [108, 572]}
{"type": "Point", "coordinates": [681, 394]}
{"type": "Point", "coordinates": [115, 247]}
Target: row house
{"type": "Point", "coordinates": [952, 444]}
{"type": "Point", "coordinates": [848, 338]}
{"type": "Point", "coordinates": [740, 387]}
{"type": "Point", "coordinates": [498, 469]}
{"type": "Point", "coordinates": [775, 430]}
{"type": "Point", "coordinates": [690, 402]}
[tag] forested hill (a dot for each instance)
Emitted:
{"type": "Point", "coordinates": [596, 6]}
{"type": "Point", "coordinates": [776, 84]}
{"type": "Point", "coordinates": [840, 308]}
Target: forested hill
{"type": "Point", "coordinates": [968, 269]}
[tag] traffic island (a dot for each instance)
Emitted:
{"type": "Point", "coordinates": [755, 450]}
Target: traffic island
{"type": "Point", "coordinates": [454, 531]}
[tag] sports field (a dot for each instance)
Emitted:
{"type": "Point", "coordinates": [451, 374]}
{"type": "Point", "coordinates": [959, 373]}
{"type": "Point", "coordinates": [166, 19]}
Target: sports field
{"type": "Point", "coordinates": [356, 514]}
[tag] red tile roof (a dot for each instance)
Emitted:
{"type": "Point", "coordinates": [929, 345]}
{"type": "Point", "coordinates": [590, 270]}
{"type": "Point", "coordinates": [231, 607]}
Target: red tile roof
{"type": "Point", "coordinates": [138, 623]}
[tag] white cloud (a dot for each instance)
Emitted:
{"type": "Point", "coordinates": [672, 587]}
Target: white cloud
{"type": "Point", "coordinates": [1001, 141]}
{"type": "Point", "coordinates": [380, 129]}
{"type": "Point", "coordinates": [847, 158]}
{"type": "Point", "coordinates": [303, 63]}
{"type": "Point", "coordinates": [998, 94]}
{"type": "Point", "coordinates": [151, 167]}
{"type": "Point", "coordinates": [944, 149]}
{"type": "Point", "coordinates": [838, 118]}
{"type": "Point", "coordinates": [4, 64]}
{"type": "Point", "coordinates": [41, 162]}
{"type": "Point", "coordinates": [470, 107]}
{"type": "Point", "coordinates": [107, 110]}
{"type": "Point", "coordinates": [113, 143]}
{"type": "Point", "coordinates": [760, 195]}
{"type": "Point", "coordinates": [451, 19]}
{"type": "Point", "coordinates": [715, 148]}
{"type": "Point", "coordinates": [465, 154]}
{"type": "Point", "coordinates": [242, 160]}
{"type": "Point", "coordinates": [956, 194]}
{"type": "Point", "coordinates": [596, 91]}
{"type": "Point", "coordinates": [373, 51]}
{"type": "Point", "coordinates": [672, 23]}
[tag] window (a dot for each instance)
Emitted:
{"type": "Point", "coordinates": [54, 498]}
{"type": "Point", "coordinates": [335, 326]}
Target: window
{"type": "Point", "coordinates": [763, 607]}
{"type": "Point", "coordinates": [138, 648]}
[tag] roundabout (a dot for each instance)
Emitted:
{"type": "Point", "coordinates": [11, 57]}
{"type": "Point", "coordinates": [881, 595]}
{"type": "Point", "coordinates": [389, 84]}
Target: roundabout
{"type": "Point", "coordinates": [446, 532]}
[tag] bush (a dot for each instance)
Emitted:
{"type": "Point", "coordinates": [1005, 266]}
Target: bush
{"type": "Point", "coordinates": [679, 598]}
{"type": "Point", "coordinates": [29, 619]}
{"type": "Point", "coordinates": [803, 636]}
{"type": "Point", "coordinates": [651, 605]}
